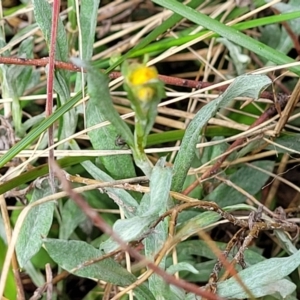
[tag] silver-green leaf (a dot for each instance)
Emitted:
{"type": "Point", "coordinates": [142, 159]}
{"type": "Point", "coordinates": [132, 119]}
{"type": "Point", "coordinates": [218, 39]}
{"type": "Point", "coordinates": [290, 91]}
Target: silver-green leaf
{"type": "Point", "coordinates": [243, 86]}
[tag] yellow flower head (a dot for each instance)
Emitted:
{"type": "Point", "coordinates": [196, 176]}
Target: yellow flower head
{"type": "Point", "coordinates": [142, 75]}
{"type": "Point", "coordinates": [142, 84]}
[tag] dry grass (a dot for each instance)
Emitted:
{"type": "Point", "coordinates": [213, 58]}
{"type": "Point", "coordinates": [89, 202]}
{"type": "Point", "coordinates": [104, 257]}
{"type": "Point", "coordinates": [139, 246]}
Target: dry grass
{"type": "Point", "coordinates": [121, 25]}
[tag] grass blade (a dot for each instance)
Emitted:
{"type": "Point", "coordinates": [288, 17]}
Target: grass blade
{"type": "Point", "coordinates": [229, 33]}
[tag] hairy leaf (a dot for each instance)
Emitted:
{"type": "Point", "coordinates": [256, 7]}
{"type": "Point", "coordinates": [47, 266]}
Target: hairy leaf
{"type": "Point", "coordinates": [246, 86]}
{"type": "Point", "coordinates": [78, 257]}
{"type": "Point", "coordinates": [156, 204]}
{"type": "Point", "coordinates": [88, 21]}
{"type": "Point", "coordinates": [36, 225]}
{"type": "Point", "coordinates": [264, 278]}
{"type": "Point", "coordinates": [247, 178]}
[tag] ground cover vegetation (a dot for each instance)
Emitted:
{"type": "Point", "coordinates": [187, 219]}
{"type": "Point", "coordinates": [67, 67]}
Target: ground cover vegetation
{"type": "Point", "coordinates": [149, 149]}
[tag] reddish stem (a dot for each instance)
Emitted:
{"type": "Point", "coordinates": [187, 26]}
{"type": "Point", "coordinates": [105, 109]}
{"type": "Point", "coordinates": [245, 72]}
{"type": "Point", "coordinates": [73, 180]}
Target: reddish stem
{"type": "Point", "coordinates": [193, 84]}
{"type": "Point", "coordinates": [50, 83]}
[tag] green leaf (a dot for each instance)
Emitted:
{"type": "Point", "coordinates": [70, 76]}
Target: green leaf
{"type": "Point", "coordinates": [247, 178]}
{"type": "Point", "coordinates": [159, 202]}
{"type": "Point", "coordinates": [153, 243]}
{"type": "Point", "coordinates": [128, 230]}
{"type": "Point", "coordinates": [160, 184]}
{"type": "Point", "coordinates": [191, 296]}
{"type": "Point", "coordinates": [228, 32]}
{"type": "Point", "coordinates": [97, 89]}
{"type": "Point", "coordinates": [264, 278]}
{"type": "Point", "coordinates": [74, 254]}
{"type": "Point", "coordinates": [71, 217]}
{"type": "Point", "coordinates": [88, 21]}
{"type": "Point", "coordinates": [285, 242]}
{"type": "Point", "coordinates": [204, 270]}
{"type": "Point", "coordinates": [240, 60]}
{"type": "Point", "coordinates": [202, 249]}
{"type": "Point", "coordinates": [195, 224]}
{"type": "Point", "coordinates": [43, 15]}
{"type": "Point", "coordinates": [137, 227]}
{"type": "Point", "coordinates": [22, 32]}
{"type": "Point", "coordinates": [281, 40]}
{"type": "Point", "coordinates": [24, 72]}
{"type": "Point", "coordinates": [245, 86]}
{"type": "Point", "coordinates": [104, 138]}
{"type": "Point", "coordinates": [35, 275]}
{"type": "Point", "coordinates": [36, 225]}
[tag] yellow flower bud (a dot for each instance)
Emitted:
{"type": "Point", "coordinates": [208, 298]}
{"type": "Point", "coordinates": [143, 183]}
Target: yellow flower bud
{"type": "Point", "coordinates": [145, 93]}
{"type": "Point", "coordinates": [142, 75]}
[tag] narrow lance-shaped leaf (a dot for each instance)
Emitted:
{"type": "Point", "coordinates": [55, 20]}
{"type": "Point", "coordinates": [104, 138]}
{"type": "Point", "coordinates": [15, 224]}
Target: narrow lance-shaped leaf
{"type": "Point", "coordinates": [72, 255]}
{"type": "Point", "coordinates": [243, 86]}
{"type": "Point", "coordinates": [159, 203]}
{"type": "Point", "coordinates": [263, 278]}
{"type": "Point", "coordinates": [88, 21]}
{"type": "Point", "coordinates": [43, 16]}
{"type": "Point", "coordinates": [71, 217]}
{"type": "Point", "coordinates": [98, 79]}
{"type": "Point", "coordinates": [36, 225]}
{"type": "Point", "coordinates": [149, 210]}
{"type": "Point", "coordinates": [101, 109]}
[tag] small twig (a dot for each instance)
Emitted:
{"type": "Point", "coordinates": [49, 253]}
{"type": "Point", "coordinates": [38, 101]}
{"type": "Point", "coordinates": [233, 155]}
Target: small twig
{"type": "Point", "coordinates": [38, 293]}
{"type": "Point", "coordinates": [223, 260]}
{"type": "Point", "coordinates": [213, 278]}
{"type": "Point", "coordinates": [275, 184]}
{"type": "Point", "coordinates": [14, 262]}
{"type": "Point", "coordinates": [49, 282]}
{"type": "Point", "coordinates": [288, 108]}
{"type": "Point", "coordinates": [251, 235]}
{"type": "Point", "coordinates": [38, 62]}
